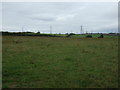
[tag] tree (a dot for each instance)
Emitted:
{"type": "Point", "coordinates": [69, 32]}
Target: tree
{"type": "Point", "coordinates": [38, 32]}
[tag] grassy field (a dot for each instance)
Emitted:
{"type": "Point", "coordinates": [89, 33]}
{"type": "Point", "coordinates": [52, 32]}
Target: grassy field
{"type": "Point", "coordinates": [57, 62]}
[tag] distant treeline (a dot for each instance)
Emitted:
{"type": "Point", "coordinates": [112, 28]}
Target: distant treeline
{"type": "Point", "coordinates": [51, 35]}
{"type": "Point", "coordinates": [27, 34]}
{"type": "Point", "coordinates": [35, 34]}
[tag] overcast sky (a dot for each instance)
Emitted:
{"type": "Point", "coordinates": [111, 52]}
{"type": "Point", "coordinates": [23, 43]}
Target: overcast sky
{"type": "Point", "coordinates": [63, 17]}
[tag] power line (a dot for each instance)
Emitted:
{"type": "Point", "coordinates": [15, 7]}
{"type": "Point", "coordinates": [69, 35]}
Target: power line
{"type": "Point", "coordinates": [81, 29]}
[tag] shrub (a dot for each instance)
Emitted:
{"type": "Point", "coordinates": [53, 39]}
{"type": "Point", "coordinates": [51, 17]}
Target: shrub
{"type": "Point", "coordinates": [101, 36]}
{"type": "Point", "coordinates": [89, 36]}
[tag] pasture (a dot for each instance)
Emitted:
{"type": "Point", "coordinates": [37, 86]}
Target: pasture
{"type": "Point", "coordinates": [59, 62]}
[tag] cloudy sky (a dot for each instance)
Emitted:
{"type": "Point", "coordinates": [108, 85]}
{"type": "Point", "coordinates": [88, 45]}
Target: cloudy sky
{"type": "Point", "coordinates": [62, 16]}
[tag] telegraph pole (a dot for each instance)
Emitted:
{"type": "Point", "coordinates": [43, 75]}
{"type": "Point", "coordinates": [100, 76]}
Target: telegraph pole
{"type": "Point", "coordinates": [91, 31]}
{"type": "Point", "coordinates": [86, 31]}
{"type": "Point", "coordinates": [22, 29]}
{"type": "Point", "coordinates": [50, 29]}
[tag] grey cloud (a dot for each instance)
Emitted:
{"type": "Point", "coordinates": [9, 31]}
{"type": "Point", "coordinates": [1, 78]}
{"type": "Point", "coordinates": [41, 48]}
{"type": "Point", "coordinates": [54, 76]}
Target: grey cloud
{"type": "Point", "coordinates": [64, 17]}
{"type": "Point", "coordinates": [43, 18]}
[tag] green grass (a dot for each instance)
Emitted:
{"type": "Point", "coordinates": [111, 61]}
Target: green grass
{"type": "Point", "coordinates": [56, 62]}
